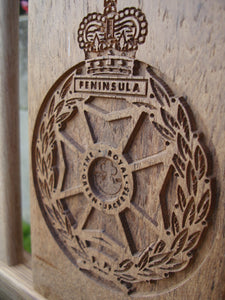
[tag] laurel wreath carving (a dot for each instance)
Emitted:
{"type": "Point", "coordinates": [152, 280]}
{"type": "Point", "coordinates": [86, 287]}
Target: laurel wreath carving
{"type": "Point", "coordinates": [172, 251]}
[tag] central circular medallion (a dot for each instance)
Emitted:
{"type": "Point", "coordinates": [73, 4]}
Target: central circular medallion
{"type": "Point", "coordinates": [106, 179]}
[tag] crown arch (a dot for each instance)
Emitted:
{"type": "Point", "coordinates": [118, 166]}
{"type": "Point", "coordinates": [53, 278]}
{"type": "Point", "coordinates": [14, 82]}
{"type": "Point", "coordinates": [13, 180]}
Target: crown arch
{"type": "Point", "coordinates": [120, 31]}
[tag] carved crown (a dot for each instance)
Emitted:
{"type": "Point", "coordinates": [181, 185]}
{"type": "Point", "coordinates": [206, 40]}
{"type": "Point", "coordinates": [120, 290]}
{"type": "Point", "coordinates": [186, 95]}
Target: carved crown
{"type": "Point", "coordinates": [112, 33]}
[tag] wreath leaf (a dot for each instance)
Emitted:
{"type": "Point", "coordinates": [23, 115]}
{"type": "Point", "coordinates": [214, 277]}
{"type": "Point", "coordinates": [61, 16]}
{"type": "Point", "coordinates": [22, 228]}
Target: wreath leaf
{"type": "Point", "coordinates": [44, 168]}
{"type": "Point", "coordinates": [62, 117]}
{"type": "Point", "coordinates": [58, 216]}
{"type": "Point", "coordinates": [38, 158]}
{"type": "Point", "coordinates": [51, 123]}
{"type": "Point", "coordinates": [66, 87]}
{"type": "Point", "coordinates": [175, 224]}
{"type": "Point", "coordinates": [150, 274]}
{"type": "Point", "coordinates": [161, 96]}
{"type": "Point", "coordinates": [179, 165]}
{"type": "Point", "coordinates": [59, 107]}
{"type": "Point", "coordinates": [183, 147]}
{"type": "Point", "coordinates": [169, 120]}
{"type": "Point", "coordinates": [203, 206]}
{"type": "Point", "coordinates": [47, 191]}
{"type": "Point", "coordinates": [41, 185]}
{"type": "Point", "coordinates": [50, 211]}
{"type": "Point", "coordinates": [60, 206]}
{"type": "Point", "coordinates": [125, 266]}
{"type": "Point", "coordinates": [200, 164]}
{"type": "Point", "coordinates": [159, 247]}
{"type": "Point", "coordinates": [51, 107]}
{"type": "Point", "coordinates": [42, 131]}
{"type": "Point", "coordinates": [52, 138]}
{"type": "Point", "coordinates": [183, 120]}
{"type": "Point", "coordinates": [45, 143]}
{"type": "Point", "coordinates": [146, 105]}
{"type": "Point", "coordinates": [189, 213]}
{"type": "Point", "coordinates": [49, 160]}
{"type": "Point", "coordinates": [128, 278]}
{"type": "Point", "coordinates": [179, 241]}
{"type": "Point", "coordinates": [192, 182]}
{"type": "Point", "coordinates": [159, 259]}
{"type": "Point", "coordinates": [175, 266]}
{"type": "Point", "coordinates": [181, 198]}
{"type": "Point", "coordinates": [68, 226]}
{"type": "Point", "coordinates": [81, 244]}
{"type": "Point", "coordinates": [51, 182]}
{"type": "Point", "coordinates": [143, 261]}
{"type": "Point", "coordinates": [163, 131]}
{"type": "Point", "coordinates": [193, 241]}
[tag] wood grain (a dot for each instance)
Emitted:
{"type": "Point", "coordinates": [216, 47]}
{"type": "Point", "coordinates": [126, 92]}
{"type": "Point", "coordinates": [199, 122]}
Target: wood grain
{"type": "Point", "coordinates": [10, 213]}
{"type": "Point", "coordinates": [16, 283]}
{"type": "Point", "coordinates": [186, 44]}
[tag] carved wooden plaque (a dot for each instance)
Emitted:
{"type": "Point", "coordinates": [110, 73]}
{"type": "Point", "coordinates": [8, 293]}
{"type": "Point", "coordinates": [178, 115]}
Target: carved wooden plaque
{"type": "Point", "coordinates": [121, 174]}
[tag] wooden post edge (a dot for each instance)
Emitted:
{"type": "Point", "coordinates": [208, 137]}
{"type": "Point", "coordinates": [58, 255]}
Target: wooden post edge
{"type": "Point", "coordinates": [16, 283]}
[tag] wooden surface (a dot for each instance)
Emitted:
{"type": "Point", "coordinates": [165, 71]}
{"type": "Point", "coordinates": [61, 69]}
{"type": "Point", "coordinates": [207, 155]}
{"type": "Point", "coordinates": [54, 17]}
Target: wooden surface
{"type": "Point", "coordinates": [16, 283]}
{"type": "Point", "coordinates": [186, 44]}
{"type": "Point", "coordinates": [10, 214]}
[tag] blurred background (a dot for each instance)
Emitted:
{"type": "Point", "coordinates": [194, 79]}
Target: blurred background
{"type": "Point", "coordinates": [23, 7]}
{"type": "Point", "coordinates": [24, 141]}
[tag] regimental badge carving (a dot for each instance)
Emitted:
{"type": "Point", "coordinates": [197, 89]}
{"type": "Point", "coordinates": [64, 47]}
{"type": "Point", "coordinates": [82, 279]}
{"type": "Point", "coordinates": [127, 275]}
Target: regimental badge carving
{"type": "Point", "coordinates": [121, 175]}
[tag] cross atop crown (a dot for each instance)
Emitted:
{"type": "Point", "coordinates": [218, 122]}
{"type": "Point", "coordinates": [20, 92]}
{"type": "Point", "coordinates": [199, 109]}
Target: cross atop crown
{"type": "Point", "coordinates": [112, 33]}
{"type": "Point", "coordinates": [110, 8]}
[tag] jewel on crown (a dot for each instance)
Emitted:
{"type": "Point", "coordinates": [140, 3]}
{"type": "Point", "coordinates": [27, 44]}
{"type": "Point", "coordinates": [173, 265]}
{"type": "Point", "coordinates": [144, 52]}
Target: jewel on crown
{"type": "Point", "coordinates": [112, 34]}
